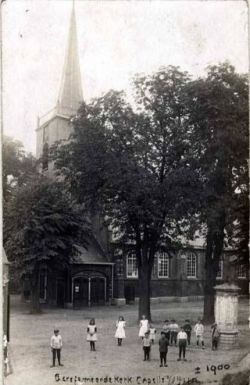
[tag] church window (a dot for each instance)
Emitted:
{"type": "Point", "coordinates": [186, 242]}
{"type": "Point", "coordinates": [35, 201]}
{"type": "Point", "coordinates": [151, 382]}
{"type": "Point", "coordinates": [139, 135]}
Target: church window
{"type": "Point", "coordinates": [191, 265]}
{"type": "Point", "coordinates": [132, 270]}
{"type": "Point", "coordinates": [163, 265]}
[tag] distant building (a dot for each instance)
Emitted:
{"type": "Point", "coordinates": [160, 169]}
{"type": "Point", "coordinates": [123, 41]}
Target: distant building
{"type": "Point", "coordinates": [99, 275]}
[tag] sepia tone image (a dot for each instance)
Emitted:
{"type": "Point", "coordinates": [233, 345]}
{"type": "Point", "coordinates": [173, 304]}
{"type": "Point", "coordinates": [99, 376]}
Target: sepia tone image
{"type": "Point", "coordinates": [125, 145]}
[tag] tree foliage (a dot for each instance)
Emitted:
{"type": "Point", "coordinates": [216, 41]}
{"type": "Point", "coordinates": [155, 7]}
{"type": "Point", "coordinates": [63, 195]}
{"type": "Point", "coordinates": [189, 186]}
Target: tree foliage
{"type": "Point", "coordinates": [175, 161]}
{"type": "Point", "coordinates": [41, 223]}
{"type": "Point", "coordinates": [18, 166]}
{"type": "Point", "coordinates": [219, 121]}
{"type": "Point", "coordinates": [131, 163]}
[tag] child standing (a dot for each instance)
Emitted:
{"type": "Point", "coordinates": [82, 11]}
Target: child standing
{"type": "Point", "coordinates": [199, 331]}
{"type": "Point", "coordinates": [92, 334]}
{"type": "Point", "coordinates": [120, 330]}
{"type": "Point", "coordinates": [152, 332]}
{"type": "Point", "coordinates": [146, 346]}
{"type": "Point", "coordinates": [143, 326]}
{"type": "Point", "coordinates": [215, 336]}
{"type": "Point", "coordinates": [188, 329]}
{"type": "Point", "coordinates": [163, 349]}
{"type": "Point", "coordinates": [182, 342]}
{"type": "Point", "coordinates": [56, 347]}
{"type": "Point", "coordinates": [174, 328]}
{"type": "Point", "coordinates": [166, 329]}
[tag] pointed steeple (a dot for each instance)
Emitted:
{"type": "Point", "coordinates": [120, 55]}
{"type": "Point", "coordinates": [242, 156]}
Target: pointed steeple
{"type": "Point", "coordinates": [70, 95]}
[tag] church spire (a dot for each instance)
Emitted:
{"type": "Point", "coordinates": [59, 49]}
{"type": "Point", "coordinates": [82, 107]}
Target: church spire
{"type": "Point", "coordinates": [70, 95]}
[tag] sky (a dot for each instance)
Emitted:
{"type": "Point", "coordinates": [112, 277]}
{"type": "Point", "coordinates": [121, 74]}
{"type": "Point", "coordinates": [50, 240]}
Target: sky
{"type": "Point", "coordinates": [116, 40]}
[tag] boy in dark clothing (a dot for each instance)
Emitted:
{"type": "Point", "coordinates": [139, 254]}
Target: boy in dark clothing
{"type": "Point", "coordinates": [163, 349]}
{"type": "Point", "coordinates": [215, 336]}
{"type": "Point", "coordinates": [188, 329]}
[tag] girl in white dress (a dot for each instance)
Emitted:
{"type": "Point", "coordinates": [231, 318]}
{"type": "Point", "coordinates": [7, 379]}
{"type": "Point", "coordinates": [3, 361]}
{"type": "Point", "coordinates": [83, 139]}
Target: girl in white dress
{"type": "Point", "coordinates": [120, 330]}
{"type": "Point", "coordinates": [143, 326]}
{"type": "Point", "coordinates": [92, 334]}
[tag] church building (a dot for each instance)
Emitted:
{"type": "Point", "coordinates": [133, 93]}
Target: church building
{"type": "Point", "coordinates": [98, 275]}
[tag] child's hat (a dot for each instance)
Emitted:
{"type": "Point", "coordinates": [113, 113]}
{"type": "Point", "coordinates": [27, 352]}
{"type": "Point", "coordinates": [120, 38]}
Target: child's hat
{"type": "Point", "coordinates": [56, 330]}
{"type": "Point", "coordinates": [187, 320]}
{"type": "Point", "coordinates": [147, 332]}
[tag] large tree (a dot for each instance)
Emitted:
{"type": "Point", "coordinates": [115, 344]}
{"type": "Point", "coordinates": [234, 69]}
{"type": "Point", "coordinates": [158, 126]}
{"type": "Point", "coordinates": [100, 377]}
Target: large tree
{"type": "Point", "coordinates": [18, 166]}
{"type": "Point", "coordinates": [41, 224]}
{"type": "Point", "coordinates": [131, 165]}
{"type": "Point", "coordinates": [219, 120]}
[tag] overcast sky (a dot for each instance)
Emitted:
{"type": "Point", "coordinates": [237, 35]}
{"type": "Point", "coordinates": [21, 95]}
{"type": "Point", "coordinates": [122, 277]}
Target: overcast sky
{"type": "Point", "coordinates": [116, 40]}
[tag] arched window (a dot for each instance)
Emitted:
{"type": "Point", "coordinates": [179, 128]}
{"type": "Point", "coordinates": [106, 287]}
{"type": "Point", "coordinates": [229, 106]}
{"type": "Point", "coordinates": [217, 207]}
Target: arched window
{"type": "Point", "coordinates": [191, 265]}
{"type": "Point", "coordinates": [132, 270]}
{"type": "Point", "coordinates": [163, 265]}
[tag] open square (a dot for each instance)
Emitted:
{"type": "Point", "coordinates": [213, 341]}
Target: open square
{"type": "Point", "coordinates": [31, 357]}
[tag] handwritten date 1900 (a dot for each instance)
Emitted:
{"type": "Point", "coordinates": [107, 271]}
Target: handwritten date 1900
{"type": "Point", "coordinates": [213, 368]}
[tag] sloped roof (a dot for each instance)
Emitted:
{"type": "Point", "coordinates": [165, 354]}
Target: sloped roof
{"type": "Point", "coordinates": [89, 255]}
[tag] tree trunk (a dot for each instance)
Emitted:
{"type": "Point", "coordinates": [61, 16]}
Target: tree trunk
{"type": "Point", "coordinates": [210, 281]}
{"type": "Point", "coordinates": [34, 284]}
{"type": "Point", "coordinates": [144, 294]}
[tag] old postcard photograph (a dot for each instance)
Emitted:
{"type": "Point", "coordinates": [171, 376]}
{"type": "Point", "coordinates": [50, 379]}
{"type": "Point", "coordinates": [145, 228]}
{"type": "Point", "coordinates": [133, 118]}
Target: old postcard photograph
{"type": "Point", "coordinates": [125, 146]}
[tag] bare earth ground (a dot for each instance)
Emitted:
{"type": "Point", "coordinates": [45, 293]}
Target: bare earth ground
{"type": "Point", "coordinates": [31, 357]}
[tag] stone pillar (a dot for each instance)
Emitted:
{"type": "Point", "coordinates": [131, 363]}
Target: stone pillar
{"type": "Point", "coordinates": [226, 314]}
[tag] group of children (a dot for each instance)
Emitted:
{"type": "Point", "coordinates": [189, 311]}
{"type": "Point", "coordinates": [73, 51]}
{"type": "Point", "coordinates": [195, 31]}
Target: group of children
{"type": "Point", "coordinates": [171, 334]}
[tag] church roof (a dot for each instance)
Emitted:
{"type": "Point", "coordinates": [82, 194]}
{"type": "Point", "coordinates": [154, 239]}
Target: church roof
{"type": "Point", "coordinates": [70, 95]}
{"type": "Point", "coordinates": [91, 255]}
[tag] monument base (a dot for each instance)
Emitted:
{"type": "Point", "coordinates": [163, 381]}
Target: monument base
{"type": "Point", "coordinates": [229, 339]}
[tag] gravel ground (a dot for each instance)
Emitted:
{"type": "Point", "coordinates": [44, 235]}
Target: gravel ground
{"type": "Point", "coordinates": [31, 357]}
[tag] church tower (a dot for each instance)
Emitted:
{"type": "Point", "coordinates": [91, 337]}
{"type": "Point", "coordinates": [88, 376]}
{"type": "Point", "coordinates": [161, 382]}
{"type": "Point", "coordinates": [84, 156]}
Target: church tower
{"type": "Point", "coordinates": [55, 125]}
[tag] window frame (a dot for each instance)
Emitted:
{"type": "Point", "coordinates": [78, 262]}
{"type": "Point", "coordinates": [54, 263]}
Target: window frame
{"type": "Point", "coordinates": [244, 269]}
{"type": "Point", "coordinates": [158, 265]}
{"type": "Point", "coordinates": [133, 257]}
{"type": "Point", "coordinates": [192, 254]}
